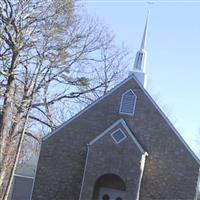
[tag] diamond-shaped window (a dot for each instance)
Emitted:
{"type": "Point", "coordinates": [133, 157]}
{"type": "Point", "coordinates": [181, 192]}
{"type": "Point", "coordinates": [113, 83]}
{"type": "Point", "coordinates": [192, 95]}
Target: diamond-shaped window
{"type": "Point", "coordinates": [118, 136]}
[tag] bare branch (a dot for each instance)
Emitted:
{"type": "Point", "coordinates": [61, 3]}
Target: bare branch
{"type": "Point", "coordinates": [39, 120]}
{"type": "Point", "coordinates": [33, 136]}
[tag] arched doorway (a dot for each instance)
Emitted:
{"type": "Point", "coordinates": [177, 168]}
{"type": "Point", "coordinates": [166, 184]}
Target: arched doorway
{"type": "Point", "coordinates": [109, 187]}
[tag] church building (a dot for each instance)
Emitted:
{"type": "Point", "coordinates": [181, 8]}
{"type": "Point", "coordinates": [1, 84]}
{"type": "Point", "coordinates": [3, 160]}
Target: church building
{"type": "Point", "coordinates": [121, 147]}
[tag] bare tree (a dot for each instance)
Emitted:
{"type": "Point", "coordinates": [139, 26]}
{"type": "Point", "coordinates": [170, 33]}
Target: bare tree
{"type": "Point", "coordinates": [49, 51]}
{"type": "Point", "coordinates": [107, 70]}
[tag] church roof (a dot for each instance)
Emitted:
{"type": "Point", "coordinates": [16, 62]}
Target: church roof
{"type": "Point", "coordinates": [132, 76]}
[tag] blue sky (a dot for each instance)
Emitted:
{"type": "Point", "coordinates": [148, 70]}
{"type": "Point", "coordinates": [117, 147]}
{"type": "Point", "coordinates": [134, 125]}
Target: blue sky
{"type": "Point", "coordinates": [173, 66]}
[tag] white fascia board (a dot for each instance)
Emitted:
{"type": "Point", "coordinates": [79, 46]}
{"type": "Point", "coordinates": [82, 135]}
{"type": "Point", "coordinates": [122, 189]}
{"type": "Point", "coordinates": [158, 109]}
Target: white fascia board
{"type": "Point", "coordinates": [88, 107]}
{"type": "Point", "coordinates": [168, 121]}
{"type": "Point", "coordinates": [123, 123]}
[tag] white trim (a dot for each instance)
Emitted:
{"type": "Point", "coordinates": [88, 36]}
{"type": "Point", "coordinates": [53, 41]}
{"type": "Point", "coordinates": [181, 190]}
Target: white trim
{"type": "Point", "coordinates": [124, 113]}
{"type": "Point", "coordinates": [119, 129]}
{"type": "Point", "coordinates": [83, 180]}
{"type": "Point", "coordinates": [168, 122]}
{"type": "Point", "coordinates": [142, 164]}
{"type": "Point", "coordinates": [23, 176]}
{"type": "Point", "coordinates": [88, 107]}
{"type": "Point", "coordinates": [123, 123]}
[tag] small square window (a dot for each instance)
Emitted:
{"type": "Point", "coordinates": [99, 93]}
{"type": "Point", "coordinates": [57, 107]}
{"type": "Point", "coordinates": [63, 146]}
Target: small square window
{"type": "Point", "coordinates": [118, 136]}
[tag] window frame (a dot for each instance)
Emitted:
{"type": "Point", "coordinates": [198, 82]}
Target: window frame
{"type": "Point", "coordinates": [122, 97]}
{"type": "Point", "coordinates": [124, 134]}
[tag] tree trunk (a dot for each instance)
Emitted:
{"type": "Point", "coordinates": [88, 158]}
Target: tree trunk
{"type": "Point", "coordinates": [11, 160]}
{"type": "Point", "coordinates": [15, 159]}
{"type": "Point", "coordinates": [7, 123]}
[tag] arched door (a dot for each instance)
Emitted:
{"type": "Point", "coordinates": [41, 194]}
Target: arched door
{"type": "Point", "coordinates": [109, 187]}
{"type": "Point", "coordinates": [111, 194]}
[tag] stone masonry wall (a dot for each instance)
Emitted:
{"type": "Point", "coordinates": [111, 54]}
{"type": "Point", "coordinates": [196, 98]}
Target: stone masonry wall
{"type": "Point", "coordinates": [107, 157]}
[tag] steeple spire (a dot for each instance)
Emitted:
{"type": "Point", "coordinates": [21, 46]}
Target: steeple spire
{"type": "Point", "coordinates": [140, 60]}
{"type": "Point", "coordinates": [141, 57]}
{"type": "Point", "coordinates": [144, 39]}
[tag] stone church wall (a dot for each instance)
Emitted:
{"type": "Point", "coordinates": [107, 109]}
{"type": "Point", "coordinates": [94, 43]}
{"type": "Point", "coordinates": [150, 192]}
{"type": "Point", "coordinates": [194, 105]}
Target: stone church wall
{"type": "Point", "coordinates": [170, 171]}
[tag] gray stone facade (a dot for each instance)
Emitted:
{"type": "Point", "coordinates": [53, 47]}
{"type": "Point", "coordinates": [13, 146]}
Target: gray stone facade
{"type": "Point", "coordinates": [170, 170]}
{"type": "Point", "coordinates": [107, 157]}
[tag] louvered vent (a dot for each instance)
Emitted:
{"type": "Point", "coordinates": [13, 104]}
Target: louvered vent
{"type": "Point", "coordinates": [128, 102]}
{"type": "Point", "coordinates": [118, 136]}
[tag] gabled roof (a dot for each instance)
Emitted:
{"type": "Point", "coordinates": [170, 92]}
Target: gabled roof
{"type": "Point", "coordinates": [123, 123]}
{"type": "Point", "coordinates": [132, 76]}
{"type": "Point", "coordinates": [88, 107]}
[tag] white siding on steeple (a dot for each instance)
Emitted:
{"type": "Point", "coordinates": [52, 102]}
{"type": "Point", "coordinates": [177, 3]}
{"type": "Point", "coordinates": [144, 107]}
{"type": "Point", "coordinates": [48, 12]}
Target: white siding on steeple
{"type": "Point", "coordinates": [128, 102]}
{"type": "Point", "coordinates": [141, 58]}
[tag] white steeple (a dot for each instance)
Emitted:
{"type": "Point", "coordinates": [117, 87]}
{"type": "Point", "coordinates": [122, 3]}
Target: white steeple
{"type": "Point", "coordinates": [141, 57]}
